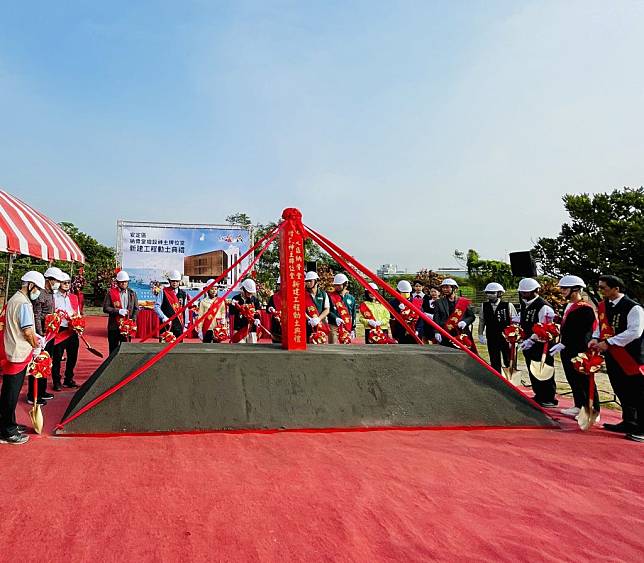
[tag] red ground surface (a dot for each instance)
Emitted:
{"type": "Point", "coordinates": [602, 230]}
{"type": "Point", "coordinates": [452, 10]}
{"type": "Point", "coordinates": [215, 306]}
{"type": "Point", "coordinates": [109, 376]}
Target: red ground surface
{"type": "Point", "coordinates": [512, 495]}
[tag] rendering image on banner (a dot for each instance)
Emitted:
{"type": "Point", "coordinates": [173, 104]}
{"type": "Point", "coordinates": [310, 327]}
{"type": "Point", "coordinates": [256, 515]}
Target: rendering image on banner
{"type": "Point", "coordinates": [149, 251]}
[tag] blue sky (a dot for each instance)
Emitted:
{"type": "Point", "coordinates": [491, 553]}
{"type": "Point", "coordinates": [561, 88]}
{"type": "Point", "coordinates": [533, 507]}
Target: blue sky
{"type": "Point", "coordinates": [402, 130]}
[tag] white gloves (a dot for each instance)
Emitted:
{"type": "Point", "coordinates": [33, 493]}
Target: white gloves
{"type": "Point", "coordinates": [271, 310]}
{"type": "Point", "coordinates": [314, 321]}
{"type": "Point", "coordinates": [482, 339]}
{"type": "Point", "coordinates": [353, 334]}
{"type": "Point", "coordinates": [526, 344]}
{"type": "Point", "coordinates": [461, 324]}
{"type": "Point", "coordinates": [438, 337]}
{"type": "Point", "coordinates": [42, 342]}
{"type": "Point", "coordinates": [516, 318]}
{"type": "Point", "coordinates": [123, 312]}
{"type": "Point", "coordinates": [339, 321]}
{"type": "Point", "coordinates": [36, 351]}
{"type": "Point", "coordinates": [257, 322]}
{"type": "Point", "coordinates": [200, 334]}
{"type": "Point", "coordinates": [372, 323]}
{"type": "Point", "coordinates": [401, 306]}
{"type": "Point", "coordinates": [556, 349]}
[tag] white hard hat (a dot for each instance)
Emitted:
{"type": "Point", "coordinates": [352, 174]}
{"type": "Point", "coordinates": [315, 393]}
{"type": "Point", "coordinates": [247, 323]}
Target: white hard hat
{"type": "Point", "coordinates": [211, 280]}
{"type": "Point", "coordinates": [279, 280]}
{"type": "Point", "coordinates": [55, 273]}
{"type": "Point", "coordinates": [339, 279]}
{"type": "Point", "coordinates": [571, 281]}
{"type": "Point", "coordinates": [449, 281]}
{"type": "Point", "coordinates": [528, 284]}
{"type": "Point", "coordinates": [249, 285]}
{"type": "Point", "coordinates": [493, 286]}
{"type": "Point", "coordinates": [373, 285]}
{"type": "Point", "coordinates": [311, 276]}
{"type": "Point", "coordinates": [35, 278]}
{"type": "Point", "coordinates": [65, 277]}
{"type": "Point", "coordinates": [404, 286]}
{"type": "Point", "coordinates": [122, 276]}
{"type": "Point", "coordinates": [174, 275]}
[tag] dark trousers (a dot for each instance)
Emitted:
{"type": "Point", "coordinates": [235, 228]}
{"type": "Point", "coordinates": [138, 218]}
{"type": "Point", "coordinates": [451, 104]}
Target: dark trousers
{"type": "Point", "coordinates": [42, 381]}
{"type": "Point", "coordinates": [208, 337]}
{"type": "Point", "coordinates": [629, 391]}
{"type": "Point", "coordinates": [276, 331]}
{"type": "Point", "coordinates": [544, 391]}
{"type": "Point", "coordinates": [114, 339]}
{"type": "Point", "coordinates": [11, 386]}
{"type": "Point", "coordinates": [579, 383]}
{"type": "Point", "coordinates": [69, 345]}
{"type": "Point", "coordinates": [498, 349]}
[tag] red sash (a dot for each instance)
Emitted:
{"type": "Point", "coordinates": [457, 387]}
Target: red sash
{"type": "Point", "coordinates": [341, 308]}
{"type": "Point", "coordinates": [312, 312]}
{"type": "Point", "coordinates": [66, 331]}
{"type": "Point", "coordinates": [573, 307]}
{"type": "Point", "coordinates": [172, 298]}
{"type": "Point", "coordinates": [366, 312]}
{"type": "Point", "coordinates": [376, 335]}
{"type": "Point", "coordinates": [248, 311]}
{"type": "Point", "coordinates": [618, 353]}
{"type": "Point", "coordinates": [115, 296]}
{"type": "Point", "coordinates": [456, 317]}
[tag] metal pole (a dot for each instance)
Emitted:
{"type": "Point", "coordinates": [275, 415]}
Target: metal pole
{"type": "Point", "coordinates": [7, 277]}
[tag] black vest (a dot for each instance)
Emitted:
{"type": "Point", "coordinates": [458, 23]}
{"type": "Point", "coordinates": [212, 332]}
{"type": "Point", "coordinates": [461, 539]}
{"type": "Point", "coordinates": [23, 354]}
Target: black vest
{"type": "Point", "coordinates": [618, 319]}
{"type": "Point", "coordinates": [530, 315]}
{"type": "Point", "coordinates": [496, 321]}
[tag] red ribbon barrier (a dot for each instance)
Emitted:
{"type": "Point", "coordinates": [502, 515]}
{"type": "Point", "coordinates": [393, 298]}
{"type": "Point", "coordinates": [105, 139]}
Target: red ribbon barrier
{"type": "Point", "coordinates": [136, 373]}
{"type": "Point", "coordinates": [215, 282]}
{"type": "Point", "coordinates": [314, 234]}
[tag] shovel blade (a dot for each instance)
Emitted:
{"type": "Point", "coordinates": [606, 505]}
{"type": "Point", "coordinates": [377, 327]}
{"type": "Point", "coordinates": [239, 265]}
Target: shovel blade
{"type": "Point", "coordinates": [37, 420]}
{"type": "Point", "coordinates": [587, 418]}
{"type": "Point", "coordinates": [542, 371]}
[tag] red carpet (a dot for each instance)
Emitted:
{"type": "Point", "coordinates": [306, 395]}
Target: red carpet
{"type": "Point", "coordinates": [545, 495]}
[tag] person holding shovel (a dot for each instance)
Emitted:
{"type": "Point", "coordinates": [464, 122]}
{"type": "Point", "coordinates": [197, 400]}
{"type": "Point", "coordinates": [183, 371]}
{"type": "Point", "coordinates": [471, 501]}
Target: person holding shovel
{"type": "Point", "coordinates": [20, 344]}
{"type": "Point", "coordinates": [535, 309]}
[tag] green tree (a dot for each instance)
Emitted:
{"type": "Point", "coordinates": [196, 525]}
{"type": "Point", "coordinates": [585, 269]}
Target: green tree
{"type": "Point", "coordinates": [481, 272]}
{"type": "Point", "coordinates": [603, 236]}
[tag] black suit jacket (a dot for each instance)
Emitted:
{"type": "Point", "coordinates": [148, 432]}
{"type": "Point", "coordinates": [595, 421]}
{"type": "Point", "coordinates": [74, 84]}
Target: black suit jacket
{"type": "Point", "coordinates": [441, 313]}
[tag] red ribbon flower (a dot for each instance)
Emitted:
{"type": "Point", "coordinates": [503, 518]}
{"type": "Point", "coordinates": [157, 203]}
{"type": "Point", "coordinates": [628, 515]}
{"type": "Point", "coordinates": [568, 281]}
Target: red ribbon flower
{"type": "Point", "coordinates": [513, 333]}
{"type": "Point", "coordinates": [127, 327]}
{"type": "Point", "coordinates": [545, 331]}
{"type": "Point", "coordinates": [409, 316]}
{"type": "Point", "coordinates": [167, 337]}
{"type": "Point", "coordinates": [318, 337]}
{"type": "Point", "coordinates": [219, 333]}
{"type": "Point", "coordinates": [77, 323]}
{"type": "Point", "coordinates": [52, 323]}
{"type": "Point", "coordinates": [41, 365]}
{"type": "Point", "coordinates": [588, 362]}
{"type": "Point", "coordinates": [344, 336]}
{"type": "Point", "coordinates": [378, 336]}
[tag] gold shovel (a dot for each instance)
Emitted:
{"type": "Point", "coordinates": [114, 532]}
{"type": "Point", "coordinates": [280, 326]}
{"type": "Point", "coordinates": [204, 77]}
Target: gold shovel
{"type": "Point", "coordinates": [511, 373]}
{"type": "Point", "coordinates": [35, 414]}
{"type": "Point", "coordinates": [588, 415]}
{"type": "Point", "coordinates": [542, 371]}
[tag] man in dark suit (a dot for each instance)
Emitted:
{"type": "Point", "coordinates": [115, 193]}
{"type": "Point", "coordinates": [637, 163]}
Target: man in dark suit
{"type": "Point", "coordinates": [120, 303]}
{"type": "Point", "coordinates": [454, 319]}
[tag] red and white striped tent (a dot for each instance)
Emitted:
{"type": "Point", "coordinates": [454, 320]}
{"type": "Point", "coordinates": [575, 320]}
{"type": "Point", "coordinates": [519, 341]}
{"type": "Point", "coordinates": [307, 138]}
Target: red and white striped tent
{"type": "Point", "coordinates": [23, 230]}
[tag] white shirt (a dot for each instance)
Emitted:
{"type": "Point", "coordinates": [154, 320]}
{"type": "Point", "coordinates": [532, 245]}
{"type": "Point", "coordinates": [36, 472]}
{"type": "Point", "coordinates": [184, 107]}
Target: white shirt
{"type": "Point", "coordinates": [511, 310]}
{"type": "Point", "coordinates": [62, 301]}
{"type": "Point", "coordinates": [634, 326]}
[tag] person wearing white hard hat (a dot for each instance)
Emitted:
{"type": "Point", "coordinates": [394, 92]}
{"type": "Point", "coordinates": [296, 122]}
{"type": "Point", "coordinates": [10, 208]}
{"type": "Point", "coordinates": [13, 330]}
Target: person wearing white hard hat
{"type": "Point", "coordinates": [535, 309]}
{"type": "Point", "coordinates": [317, 305]}
{"type": "Point", "coordinates": [245, 331]}
{"type": "Point", "coordinates": [373, 314]}
{"type": "Point", "coordinates": [120, 303]}
{"type": "Point", "coordinates": [211, 317]}
{"type": "Point", "coordinates": [66, 341]}
{"type": "Point", "coordinates": [576, 331]}
{"type": "Point", "coordinates": [343, 308]}
{"type": "Point", "coordinates": [620, 337]}
{"type": "Point", "coordinates": [494, 316]}
{"type": "Point", "coordinates": [44, 306]}
{"type": "Point", "coordinates": [453, 313]}
{"type": "Point", "coordinates": [274, 309]}
{"type": "Point", "coordinates": [169, 301]}
{"type": "Point", "coordinates": [398, 331]}
{"type": "Point", "coordinates": [21, 344]}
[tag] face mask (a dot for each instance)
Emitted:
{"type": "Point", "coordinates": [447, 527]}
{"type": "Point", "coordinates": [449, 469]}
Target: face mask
{"type": "Point", "coordinates": [405, 294]}
{"type": "Point", "coordinates": [491, 297]}
{"type": "Point", "coordinates": [55, 286]}
{"type": "Point", "coordinates": [34, 294]}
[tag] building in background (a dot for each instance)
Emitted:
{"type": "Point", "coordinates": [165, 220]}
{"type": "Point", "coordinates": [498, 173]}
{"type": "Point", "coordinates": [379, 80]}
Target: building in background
{"type": "Point", "coordinates": [388, 270]}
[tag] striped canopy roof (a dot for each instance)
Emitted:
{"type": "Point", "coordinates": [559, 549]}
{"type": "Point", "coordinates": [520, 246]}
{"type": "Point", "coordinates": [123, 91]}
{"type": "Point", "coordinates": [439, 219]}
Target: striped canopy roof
{"type": "Point", "coordinates": [23, 230]}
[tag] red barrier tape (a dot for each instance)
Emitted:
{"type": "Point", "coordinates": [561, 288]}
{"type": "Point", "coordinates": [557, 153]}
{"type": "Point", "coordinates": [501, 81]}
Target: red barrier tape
{"type": "Point", "coordinates": [215, 282]}
{"type": "Point", "coordinates": [320, 238]}
{"type": "Point", "coordinates": [364, 284]}
{"type": "Point", "coordinates": [136, 373]}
